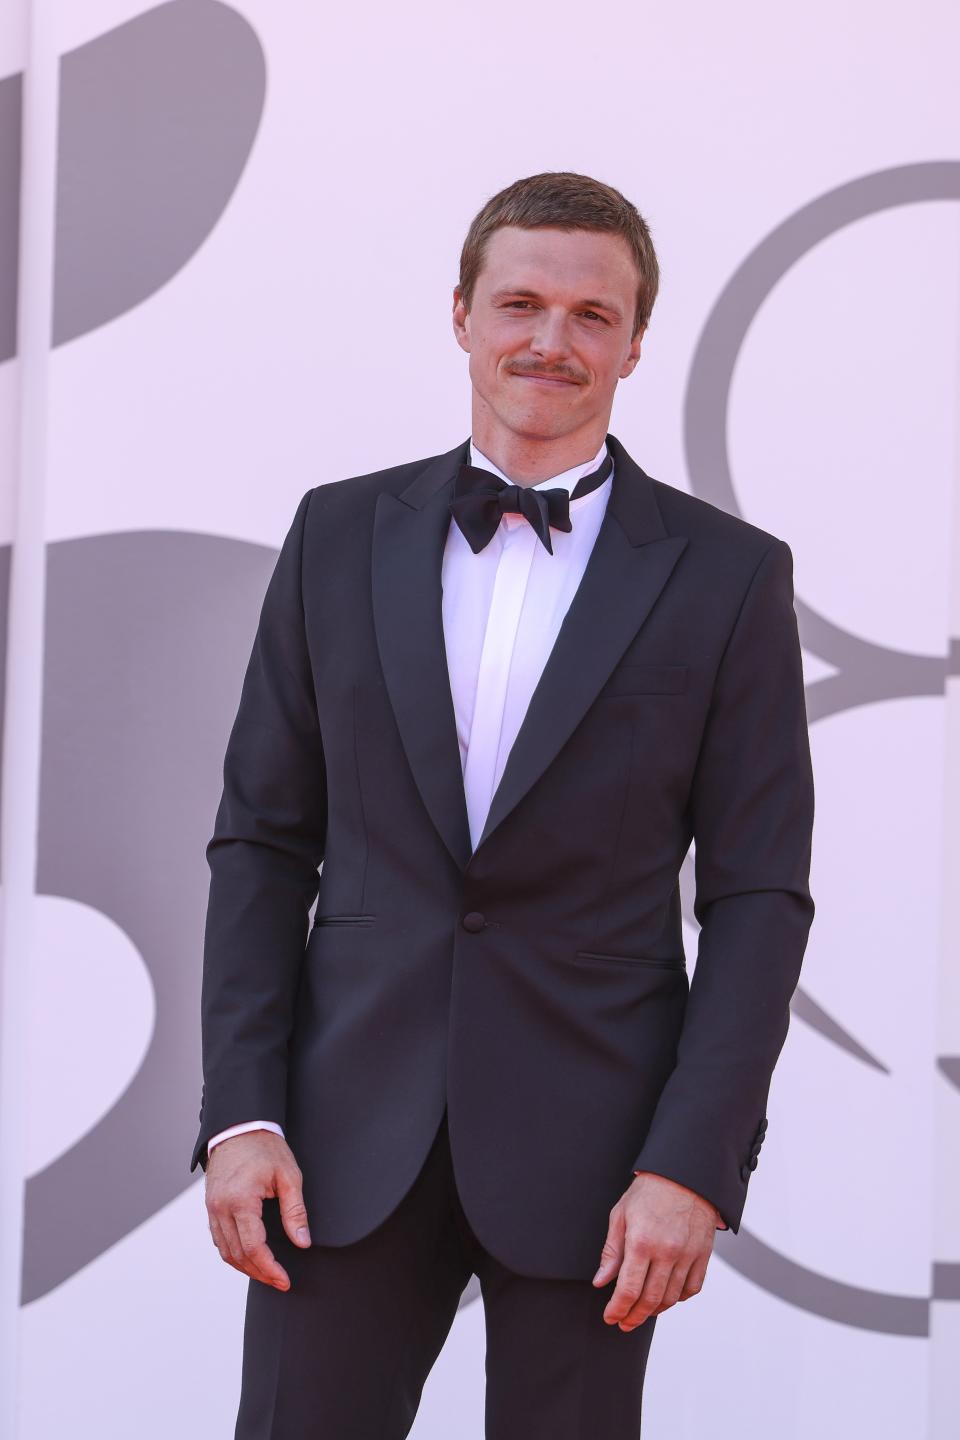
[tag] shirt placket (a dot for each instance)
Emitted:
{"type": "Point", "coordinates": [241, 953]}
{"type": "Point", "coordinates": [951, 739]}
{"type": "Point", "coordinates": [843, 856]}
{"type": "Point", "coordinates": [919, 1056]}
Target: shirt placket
{"type": "Point", "coordinates": [484, 763]}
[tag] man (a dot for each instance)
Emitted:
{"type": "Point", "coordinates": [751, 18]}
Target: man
{"type": "Point", "coordinates": [497, 693]}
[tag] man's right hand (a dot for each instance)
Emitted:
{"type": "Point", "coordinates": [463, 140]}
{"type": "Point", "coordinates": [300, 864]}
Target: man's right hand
{"type": "Point", "coordinates": [241, 1173]}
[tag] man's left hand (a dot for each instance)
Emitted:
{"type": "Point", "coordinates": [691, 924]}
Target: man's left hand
{"type": "Point", "coordinates": [660, 1240]}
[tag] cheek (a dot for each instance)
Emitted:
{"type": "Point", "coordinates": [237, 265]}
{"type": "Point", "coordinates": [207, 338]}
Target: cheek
{"type": "Point", "coordinates": [606, 369]}
{"type": "Point", "coordinates": [504, 342]}
{"type": "Point", "coordinates": [483, 370]}
{"type": "Point", "coordinates": [487, 372]}
{"type": "Point", "coordinates": [604, 356]}
{"type": "Point", "coordinates": [484, 353]}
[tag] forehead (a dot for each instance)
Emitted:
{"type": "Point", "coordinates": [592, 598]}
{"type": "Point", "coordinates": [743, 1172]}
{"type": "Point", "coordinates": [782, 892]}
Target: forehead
{"type": "Point", "coordinates": [545, 257]}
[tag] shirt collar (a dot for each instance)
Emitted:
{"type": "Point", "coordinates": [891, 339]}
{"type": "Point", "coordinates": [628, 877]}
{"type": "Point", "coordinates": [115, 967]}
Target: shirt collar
{"type": "Point", "coordinates": [567, 479]}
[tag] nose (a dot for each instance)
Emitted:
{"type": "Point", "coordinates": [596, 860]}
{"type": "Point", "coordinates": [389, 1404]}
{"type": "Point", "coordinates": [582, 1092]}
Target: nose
{"type": "Point", "coordinates": [549, 339]}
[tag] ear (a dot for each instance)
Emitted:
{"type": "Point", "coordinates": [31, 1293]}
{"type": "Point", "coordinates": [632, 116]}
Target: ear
{"type": "Point", "coordinates": [633, 354]}
{"type": "Point", "coordinates": [461, 320]}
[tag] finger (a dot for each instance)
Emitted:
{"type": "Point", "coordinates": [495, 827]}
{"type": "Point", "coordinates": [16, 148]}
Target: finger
{"type": "Point", "coordinates": [253, 1238]}
{"type": "Point", "coordinates": [695, 1278]}
{"type": "Point", "coordinates": [611, 1256]}
{"type": "Point", "coordinates": [217, 1236]}
{"type": "Point", "coordinates": [293, 1212]}
{"type": "Point", "coordinates": [238, 1257]}
{"type": "Point", "coordinates": [674, 1286]}
{"type": "Point", "coordinates": [655, 1283]}
{"type": "Point", "coordinates": [232, 1249]}
{"type": "Point", "coordinates": [630, 1282]}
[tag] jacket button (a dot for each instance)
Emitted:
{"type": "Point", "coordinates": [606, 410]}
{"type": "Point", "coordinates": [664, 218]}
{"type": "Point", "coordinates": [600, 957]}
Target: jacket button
{"type": "Point", "coordinates": [473, 921]}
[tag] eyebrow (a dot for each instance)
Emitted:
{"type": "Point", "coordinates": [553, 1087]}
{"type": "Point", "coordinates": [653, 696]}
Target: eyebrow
{"type": "Point", "coordinates": [520, 293]}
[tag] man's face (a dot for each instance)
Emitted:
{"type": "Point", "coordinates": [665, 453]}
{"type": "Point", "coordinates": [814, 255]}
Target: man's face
{"type": "Point", "coordinates": [549, 329]}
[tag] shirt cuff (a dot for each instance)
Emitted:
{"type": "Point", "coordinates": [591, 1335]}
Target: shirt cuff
{"type": "Point", "coordinates": [242, 1129]}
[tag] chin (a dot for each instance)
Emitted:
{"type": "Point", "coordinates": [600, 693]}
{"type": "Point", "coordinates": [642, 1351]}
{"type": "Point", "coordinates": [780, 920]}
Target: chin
{"type": "Point", "coordinates": [540, 422]}
{"type": "Point", "coordinates": [535, 427]}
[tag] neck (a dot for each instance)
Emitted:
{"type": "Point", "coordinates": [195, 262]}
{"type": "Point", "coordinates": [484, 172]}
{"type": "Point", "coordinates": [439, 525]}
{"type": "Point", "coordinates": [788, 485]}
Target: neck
{"type": "Point", "coordinates": [528, 459]}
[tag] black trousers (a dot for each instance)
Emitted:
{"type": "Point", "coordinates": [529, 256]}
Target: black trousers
{"type": "Point", "coordinates": [344, 1353]}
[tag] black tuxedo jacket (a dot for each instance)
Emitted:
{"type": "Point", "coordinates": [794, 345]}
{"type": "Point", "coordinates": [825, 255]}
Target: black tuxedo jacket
{"type": "Point", "coordinates": [536, 986]}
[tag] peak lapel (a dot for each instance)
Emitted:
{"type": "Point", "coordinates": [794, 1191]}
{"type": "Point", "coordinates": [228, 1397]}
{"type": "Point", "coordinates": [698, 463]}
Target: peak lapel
{"type": "Point", "coordinates": [631, 561]}
{"type": "Point", "coordinates": [409, 532]}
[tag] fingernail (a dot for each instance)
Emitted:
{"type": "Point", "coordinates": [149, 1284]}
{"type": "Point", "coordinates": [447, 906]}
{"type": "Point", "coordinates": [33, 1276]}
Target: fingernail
{"type": "Point", "coordinates": [303, 1235]}
{"type": "Point", "coordinates": [598, 1274]}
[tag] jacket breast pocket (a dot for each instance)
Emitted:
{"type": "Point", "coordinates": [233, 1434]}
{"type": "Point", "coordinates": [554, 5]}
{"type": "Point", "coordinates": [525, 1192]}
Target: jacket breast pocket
{"type": "Point", "coordinates": [645, 680]}
{"type": "Point", "coordinates": [343, 920]}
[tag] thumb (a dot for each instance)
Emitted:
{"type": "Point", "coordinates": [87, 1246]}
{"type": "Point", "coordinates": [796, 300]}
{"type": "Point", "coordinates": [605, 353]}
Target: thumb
{"type": "Point", "coordinates": [293, 1212]}
{"type": "Point", "coordinates": [612, 1253]}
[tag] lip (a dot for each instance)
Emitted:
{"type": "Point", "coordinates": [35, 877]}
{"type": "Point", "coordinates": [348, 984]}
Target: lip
{"type": "Point", "coordinates": [545, 379]}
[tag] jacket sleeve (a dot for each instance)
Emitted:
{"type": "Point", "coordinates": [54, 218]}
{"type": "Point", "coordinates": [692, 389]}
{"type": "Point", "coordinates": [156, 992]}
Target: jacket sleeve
{"type": "Point", "coordinates": [268, 842]}
{"type": "Point", "coordinates": [752, 806]}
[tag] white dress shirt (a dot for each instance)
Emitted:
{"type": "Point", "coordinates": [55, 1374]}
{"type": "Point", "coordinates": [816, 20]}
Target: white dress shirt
{"type": "Point", "coordinates": [502, 609]}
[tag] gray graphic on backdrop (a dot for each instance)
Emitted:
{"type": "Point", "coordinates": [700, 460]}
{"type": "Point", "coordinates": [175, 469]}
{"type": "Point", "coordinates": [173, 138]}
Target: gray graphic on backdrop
{"type": "Point", "coordinates": [867, 673]}
{"type": "Point", "coordinates": [11, 110]}
{"type": "Point", "coordinates": [157, 121]}
{"type": "Point", "coordinates": [147, 637]}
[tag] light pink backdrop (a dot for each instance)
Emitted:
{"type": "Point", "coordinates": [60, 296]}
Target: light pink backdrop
{"type": "Point", "coordinates": [283, 320]}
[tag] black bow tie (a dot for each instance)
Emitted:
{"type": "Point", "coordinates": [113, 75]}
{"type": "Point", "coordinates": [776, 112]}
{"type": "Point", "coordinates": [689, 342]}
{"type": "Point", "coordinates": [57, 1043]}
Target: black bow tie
{"type": "Point", "coordinates": [480, 498]}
